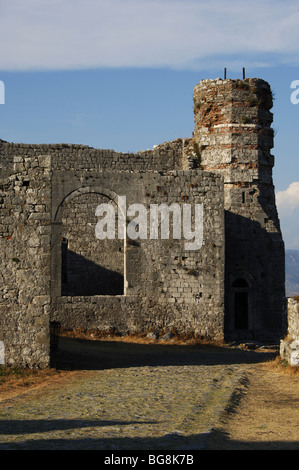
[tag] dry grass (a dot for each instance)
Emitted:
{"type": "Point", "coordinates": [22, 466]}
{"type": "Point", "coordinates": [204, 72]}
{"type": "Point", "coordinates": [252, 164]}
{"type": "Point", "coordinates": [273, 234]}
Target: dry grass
{"type": "Point", "coordinates": [23, 376]}
{"type": "Point", "coordinates": [139, 338]}
{"type": "Point", "coordinates": [15, 381]}
{"type": "Point", "coordinates": [281, 367]}
{"type": "Point", "coordinates": [12, 378]}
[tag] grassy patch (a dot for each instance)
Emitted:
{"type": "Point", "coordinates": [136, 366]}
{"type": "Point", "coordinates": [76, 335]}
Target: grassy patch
{"type": "Point", "coordinates": [283, 367]}
{"type": "Point", "coordinates": [23, 377]}
{"type": "Point", "coordinates": [141, 337]}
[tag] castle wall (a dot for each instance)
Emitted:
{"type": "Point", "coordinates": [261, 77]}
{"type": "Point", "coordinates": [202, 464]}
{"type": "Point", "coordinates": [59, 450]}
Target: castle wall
{"type": "Point", "coordinates": [289, 346]}
{"type": "Point", "coordinates": [163, 157]}
{"type": "Point", "coordinates": [54, 267]}
{"type": "Point", "coordinates": [49, 194]}
{"type": "Point", "coordinates": [25, 203]}
{"type": "Point", "coordinates": [233, 137]}
{"type": "Point", "coordinates": [165, 285]}
{"type": "Point", "coordinates": [293, 318]}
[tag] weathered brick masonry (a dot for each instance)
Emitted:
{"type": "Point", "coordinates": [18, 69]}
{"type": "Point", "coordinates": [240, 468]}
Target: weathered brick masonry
{"type": "Point", "coordinates": [233, 132]}
{"type": "Point", "coordinates": [54, 268]}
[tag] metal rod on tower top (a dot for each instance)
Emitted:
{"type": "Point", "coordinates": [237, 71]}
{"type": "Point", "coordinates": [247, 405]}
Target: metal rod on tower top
{"type": "Point", "coordinates": [225, 73]}
{"type": "Point", "coordinates": [243, 73]}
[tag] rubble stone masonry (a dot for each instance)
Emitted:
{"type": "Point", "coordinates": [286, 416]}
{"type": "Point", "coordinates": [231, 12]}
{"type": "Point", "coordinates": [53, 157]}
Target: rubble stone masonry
{"type": "Point", "coordinates": [54, 268]}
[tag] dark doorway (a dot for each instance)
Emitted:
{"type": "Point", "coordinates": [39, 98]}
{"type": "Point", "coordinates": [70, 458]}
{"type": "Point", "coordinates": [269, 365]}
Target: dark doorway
{"type": "Point", "coordinates": [241, 310]}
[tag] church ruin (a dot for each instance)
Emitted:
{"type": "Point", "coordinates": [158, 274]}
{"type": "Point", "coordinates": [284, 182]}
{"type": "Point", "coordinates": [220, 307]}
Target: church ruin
{"type": "Point", "coordinates": [54, 267]}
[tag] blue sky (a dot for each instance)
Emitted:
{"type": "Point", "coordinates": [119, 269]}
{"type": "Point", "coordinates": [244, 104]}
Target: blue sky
{"type": "Point", "coordinates": [120, 74]}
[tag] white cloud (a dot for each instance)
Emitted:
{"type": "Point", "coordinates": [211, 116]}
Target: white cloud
{"type": "Point", "coordinates": [70, 34]}
{"type": "Point", "coordinates": [288, 200]}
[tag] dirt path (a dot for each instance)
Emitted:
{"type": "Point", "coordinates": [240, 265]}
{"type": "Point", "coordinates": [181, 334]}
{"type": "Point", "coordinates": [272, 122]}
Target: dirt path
{"type": "Point", "coordinates": [264, 414]}
{"type": "Point", "coordinates": [258, 412]}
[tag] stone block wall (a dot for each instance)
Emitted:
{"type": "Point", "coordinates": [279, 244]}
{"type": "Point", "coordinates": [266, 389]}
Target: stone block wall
{"type": "Point", "coordinates": [289, 346]}
{"type": "Point", "coordinates": [53, 267]}
{"type": "Point", "coordinates": [25, 203]}
{"type": "Point", "coordinates": [49, 194]}
{"type": "Point", "coordinates": [233, 138]}
{"type": "Point", "coordinates": [293, 318]}
{"type": "Point", "coordinates": [165, 285]}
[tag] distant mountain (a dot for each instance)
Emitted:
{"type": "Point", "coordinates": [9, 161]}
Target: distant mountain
{"type": "Point", "coordinates": [292, 272]}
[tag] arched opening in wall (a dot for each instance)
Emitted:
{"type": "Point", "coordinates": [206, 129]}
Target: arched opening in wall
{"type": "Point", "coordinates": [89, 266]}
{"type": "Point", "coordinates": [240, 294]}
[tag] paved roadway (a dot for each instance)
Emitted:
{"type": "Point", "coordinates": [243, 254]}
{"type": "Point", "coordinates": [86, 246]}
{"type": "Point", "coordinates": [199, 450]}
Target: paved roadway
{"type": "Point", "coordinates": [128, 397]}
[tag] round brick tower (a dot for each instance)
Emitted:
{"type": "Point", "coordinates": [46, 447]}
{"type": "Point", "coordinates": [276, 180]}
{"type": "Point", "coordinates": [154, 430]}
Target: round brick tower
{"type": "Point", "coordinates": [233, 137]}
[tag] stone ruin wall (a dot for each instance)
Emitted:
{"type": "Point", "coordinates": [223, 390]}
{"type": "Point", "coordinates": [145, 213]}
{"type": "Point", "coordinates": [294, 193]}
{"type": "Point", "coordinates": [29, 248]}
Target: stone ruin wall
{"type": "Point", "coordinates": [48, 198]}
{"type": "Point", "coordinates": [166, 287]}
{"type": "Point", "coordinates": [289, 346]}
{"type": "Point", "coordinates": [233, 137]}
{"type": "Point", "coordinates": [25, 196]}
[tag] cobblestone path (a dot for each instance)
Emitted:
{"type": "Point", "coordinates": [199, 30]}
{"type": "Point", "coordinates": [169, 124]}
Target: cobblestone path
{"type": "Point", "coordinates": [144, 398]}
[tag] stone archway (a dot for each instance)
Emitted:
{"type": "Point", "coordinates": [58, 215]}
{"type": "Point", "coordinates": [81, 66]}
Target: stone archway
{"type": "Point", "coordinates": [83, 265]}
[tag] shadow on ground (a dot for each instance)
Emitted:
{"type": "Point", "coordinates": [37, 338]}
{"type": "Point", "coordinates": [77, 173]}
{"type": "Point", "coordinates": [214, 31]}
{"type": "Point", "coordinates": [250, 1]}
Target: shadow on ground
{"type": "Point", "coordinates": [28, 426]}
{"type": "Point", "coordinates": [178, 443]}
{"type": "Point", "coordinates": [167, 443]}
{"type": "Point", "coordinates": [83, 354]}
{"type": "Point", "coordinates": [220, 440]}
